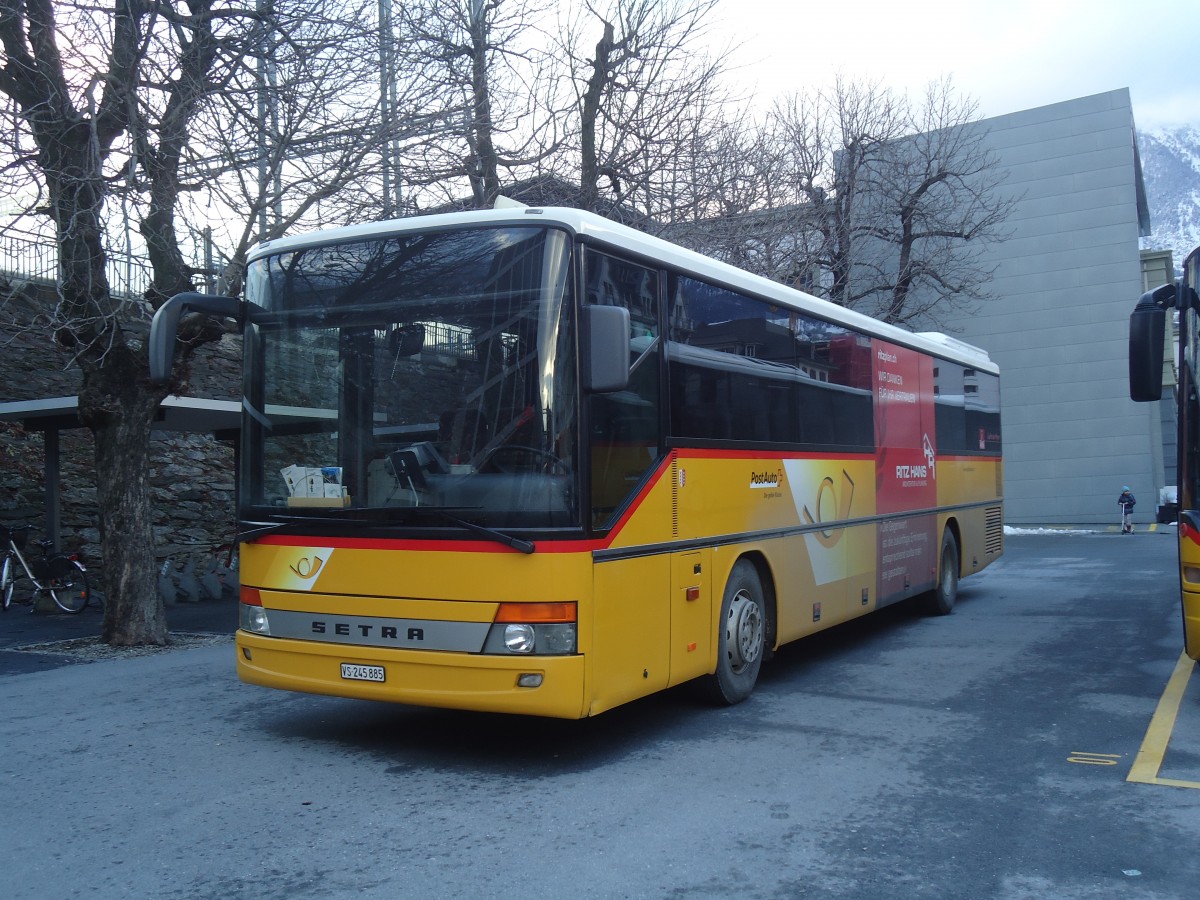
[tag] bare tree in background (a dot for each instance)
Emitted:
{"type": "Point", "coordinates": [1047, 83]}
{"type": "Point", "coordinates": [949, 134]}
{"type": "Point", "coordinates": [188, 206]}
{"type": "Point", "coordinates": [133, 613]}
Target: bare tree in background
{"type": "Point", "coordinates": [268, 112]}
{"type": "Point", "coordinates": [643, 94]}
{"type": "Point", "coordinates": [299, 134]}
{"type": "Point", "coordinates": [84, 111]}
{"type": "Point", "coordinates": [831, 142]}
{"type": "Point", "coordinates": [743, 212]}
{"type": "Point", "coordinates": [179, 65]}
{"type": "Point", "coordinates": [939, 199]}
{"type": "Point", "coordinates": [901, 199]}
{"type": "Point", "coordinates": [486, 61]}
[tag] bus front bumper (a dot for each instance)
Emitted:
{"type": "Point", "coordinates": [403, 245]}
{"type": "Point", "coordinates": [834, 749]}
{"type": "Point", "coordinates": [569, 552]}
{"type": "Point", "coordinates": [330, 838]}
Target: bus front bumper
{"type": "Point", "coordinates": [484, 683]}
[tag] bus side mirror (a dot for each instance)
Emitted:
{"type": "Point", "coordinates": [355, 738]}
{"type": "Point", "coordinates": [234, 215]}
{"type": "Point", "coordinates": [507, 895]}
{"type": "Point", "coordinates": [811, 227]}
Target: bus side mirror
{"type": "Point", "coordinates": [1147, 333]}
{"type": "Point", "coordinates": [605, 332]}
{"type": "Point", "coordinates": [165, 326]}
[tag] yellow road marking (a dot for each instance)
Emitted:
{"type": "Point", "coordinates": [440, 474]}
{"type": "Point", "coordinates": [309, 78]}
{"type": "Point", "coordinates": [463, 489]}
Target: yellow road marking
{"type": "Point", "coordinates": [1093, 759]}
{"type": "Point", "coordinates": [1154, 746]}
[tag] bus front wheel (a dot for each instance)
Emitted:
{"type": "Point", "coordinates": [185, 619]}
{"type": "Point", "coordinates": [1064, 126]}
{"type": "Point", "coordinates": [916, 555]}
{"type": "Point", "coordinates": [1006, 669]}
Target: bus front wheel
{"type": "Point", "coordinates": [741, 636]}
{"type": "Point", "coordinates": [940, 601]}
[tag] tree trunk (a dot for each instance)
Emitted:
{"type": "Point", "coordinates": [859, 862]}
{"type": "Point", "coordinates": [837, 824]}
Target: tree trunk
{"type": "Point", "coordinates": [171, 274]}
{"type": "Point", "coordinates": [117, 403]}
{"type": "Point", "coordinates": [486, 179]}
{"type": "Point", "coordinates": [118, 406]}
{"type": "Point", "coordinates": [589, 115]}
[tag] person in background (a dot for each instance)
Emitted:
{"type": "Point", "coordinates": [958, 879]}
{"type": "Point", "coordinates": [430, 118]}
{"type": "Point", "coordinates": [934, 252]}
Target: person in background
{"type": "Point", "coordinates": [1127, 502]}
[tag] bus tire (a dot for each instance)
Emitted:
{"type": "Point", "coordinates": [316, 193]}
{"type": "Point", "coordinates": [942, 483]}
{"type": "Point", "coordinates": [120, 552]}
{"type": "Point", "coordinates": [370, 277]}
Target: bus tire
{"type": "Point", "coordinates": [741, 636]}
{"type": "Point", "coordinates": [940, 601]}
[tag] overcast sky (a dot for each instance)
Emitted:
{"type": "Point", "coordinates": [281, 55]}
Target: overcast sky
{"type": "Point", "coordinates": [1008, 55]}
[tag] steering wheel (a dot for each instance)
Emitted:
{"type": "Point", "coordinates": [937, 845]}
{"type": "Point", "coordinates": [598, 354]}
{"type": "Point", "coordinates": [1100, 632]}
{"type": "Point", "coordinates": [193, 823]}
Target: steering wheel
{"type": "Point", "coordinates": [516, 459]}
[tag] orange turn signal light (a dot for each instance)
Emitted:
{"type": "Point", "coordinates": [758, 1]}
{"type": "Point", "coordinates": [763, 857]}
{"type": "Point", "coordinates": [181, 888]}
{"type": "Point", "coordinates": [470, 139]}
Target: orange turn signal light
{"type": "Point", "coordinates": [536, 612]}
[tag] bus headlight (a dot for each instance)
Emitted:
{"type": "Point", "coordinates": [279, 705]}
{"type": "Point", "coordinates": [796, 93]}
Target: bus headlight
{"type": "Point", "coordinates": [519, 638]}
{"type": "Point", "coordinates": [539, 629]}
{"type": "Point", "coordinates": [556, 638]}
{"type": "Point", "coordinates": [253, 619]}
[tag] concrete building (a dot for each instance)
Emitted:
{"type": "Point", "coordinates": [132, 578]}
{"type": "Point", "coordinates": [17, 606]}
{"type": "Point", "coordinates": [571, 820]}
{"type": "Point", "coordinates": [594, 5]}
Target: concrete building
{"type": "Point", "coordinates": [1067, 280]}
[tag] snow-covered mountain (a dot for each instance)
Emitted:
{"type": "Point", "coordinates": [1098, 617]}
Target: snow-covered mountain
{"type": "Point", "coordinates": [1171, 168]}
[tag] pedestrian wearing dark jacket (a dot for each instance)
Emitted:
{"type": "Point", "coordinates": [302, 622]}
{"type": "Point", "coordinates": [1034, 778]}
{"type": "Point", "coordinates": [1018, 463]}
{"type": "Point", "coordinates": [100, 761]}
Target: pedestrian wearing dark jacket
{"type": "Point", "coordinates": [1127, 502]}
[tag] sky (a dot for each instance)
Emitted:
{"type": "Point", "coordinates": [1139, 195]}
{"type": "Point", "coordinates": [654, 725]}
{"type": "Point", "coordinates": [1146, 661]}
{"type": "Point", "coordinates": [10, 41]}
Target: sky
{"type": "Point", "coordinates": [1008, 55]}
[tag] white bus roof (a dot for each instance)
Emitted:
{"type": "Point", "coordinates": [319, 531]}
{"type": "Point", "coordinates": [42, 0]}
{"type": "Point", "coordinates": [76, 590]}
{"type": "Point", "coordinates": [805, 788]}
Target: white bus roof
{"type": "Point", "coordinates": [623, 238]}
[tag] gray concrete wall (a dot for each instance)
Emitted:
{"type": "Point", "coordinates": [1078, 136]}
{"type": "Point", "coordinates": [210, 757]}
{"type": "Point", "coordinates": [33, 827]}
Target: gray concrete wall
{"type": "Point", "coordinates": [1067, 280]}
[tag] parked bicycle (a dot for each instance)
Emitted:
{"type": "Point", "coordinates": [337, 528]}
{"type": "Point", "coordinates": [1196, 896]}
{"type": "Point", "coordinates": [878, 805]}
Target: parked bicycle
{"type": "Point", "coordinates": [60, 575]}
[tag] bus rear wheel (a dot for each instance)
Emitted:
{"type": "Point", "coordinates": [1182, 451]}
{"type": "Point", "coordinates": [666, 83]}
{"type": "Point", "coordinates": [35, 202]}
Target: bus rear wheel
{"type": "Point", "coordinates": [741, 636]}
{"type": "Point", "coordinates": [940, 601]}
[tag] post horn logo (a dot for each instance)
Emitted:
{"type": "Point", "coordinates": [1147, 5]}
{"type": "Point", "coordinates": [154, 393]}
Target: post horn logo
{"type": "Point", "coordinates": [307, 567]}
{"type": "Point", "coordinates": [827, 495]}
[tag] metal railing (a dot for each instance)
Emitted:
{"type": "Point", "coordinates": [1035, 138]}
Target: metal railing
{"type": "Point", "coordinates": [26, 256]}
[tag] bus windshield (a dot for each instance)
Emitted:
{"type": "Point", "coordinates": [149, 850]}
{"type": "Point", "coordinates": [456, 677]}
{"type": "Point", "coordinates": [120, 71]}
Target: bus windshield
{"type": "Point", "coordinates": [413, 379]}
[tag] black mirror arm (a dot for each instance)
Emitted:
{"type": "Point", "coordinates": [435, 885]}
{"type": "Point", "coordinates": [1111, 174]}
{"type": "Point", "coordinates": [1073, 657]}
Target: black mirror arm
{"type": "Point", "coordinates": [165, 325]}
{"type": "Point", "coordinates": [1162, 297]}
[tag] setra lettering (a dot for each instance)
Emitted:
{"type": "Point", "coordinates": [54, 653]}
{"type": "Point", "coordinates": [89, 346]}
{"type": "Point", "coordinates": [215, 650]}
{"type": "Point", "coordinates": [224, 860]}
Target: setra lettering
{"type": "Point", "coordinates": [386, 632]}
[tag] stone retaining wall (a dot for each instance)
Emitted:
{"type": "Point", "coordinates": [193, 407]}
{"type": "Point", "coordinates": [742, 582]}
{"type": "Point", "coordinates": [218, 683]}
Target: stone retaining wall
{"type": "Point", "coordinates": [191, 477]}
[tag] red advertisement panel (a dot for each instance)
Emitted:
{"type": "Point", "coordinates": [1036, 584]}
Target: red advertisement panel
{"type": "Point", "coordinates": [905, 468]}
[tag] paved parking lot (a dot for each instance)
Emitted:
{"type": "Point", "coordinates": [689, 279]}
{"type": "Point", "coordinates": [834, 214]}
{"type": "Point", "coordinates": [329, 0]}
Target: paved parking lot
{"type": "Point", "coordinates": [986, 754]}
{"type": "Point", "coordinates": [21, 627]}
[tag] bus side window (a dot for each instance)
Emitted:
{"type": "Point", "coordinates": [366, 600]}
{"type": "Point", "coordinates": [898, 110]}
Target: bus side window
{"type": "Point", "coordinates": [625, 432]}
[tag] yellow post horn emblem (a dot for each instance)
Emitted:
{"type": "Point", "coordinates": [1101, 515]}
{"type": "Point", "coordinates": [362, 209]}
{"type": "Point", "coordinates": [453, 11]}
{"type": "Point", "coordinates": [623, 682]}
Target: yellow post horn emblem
{"type": "Point", "coordinates": [828, 538]}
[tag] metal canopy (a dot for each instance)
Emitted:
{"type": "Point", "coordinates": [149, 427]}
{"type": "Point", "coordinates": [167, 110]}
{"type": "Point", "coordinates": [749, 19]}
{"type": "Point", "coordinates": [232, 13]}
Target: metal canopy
{"type": "Point", "coordinates": [53, 414]}
{"type": "Point", "coordinates": [174, 414]}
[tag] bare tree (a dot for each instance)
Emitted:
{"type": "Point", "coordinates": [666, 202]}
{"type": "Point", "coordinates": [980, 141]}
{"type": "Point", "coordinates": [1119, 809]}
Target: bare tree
{"type": "Point", "coordinates": [79, 110]}
{"type": "Point", "coordinates": [941, 201]}
{"type": "Point", "coordinates": [900, 199]}
{"type": "Point", "coordinates": [742, 211]}
{"type": "Point", "coordinates": [486, 60]}
{"type": "Point", "coordinates": [269, 116]}
{"type": "Point", "coordinates": [176, 65]}
{"type": "Point", "coordinates": [301, 134]}
{"type": "Point", "coordinates": [645, 93]}
{"type": "Point", "coordinates": [831, 144]}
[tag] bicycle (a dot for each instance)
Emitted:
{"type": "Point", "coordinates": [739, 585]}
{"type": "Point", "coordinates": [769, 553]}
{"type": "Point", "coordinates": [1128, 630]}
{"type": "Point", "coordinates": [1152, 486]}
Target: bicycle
{"type": "Point", "coordinates": [60, 575]}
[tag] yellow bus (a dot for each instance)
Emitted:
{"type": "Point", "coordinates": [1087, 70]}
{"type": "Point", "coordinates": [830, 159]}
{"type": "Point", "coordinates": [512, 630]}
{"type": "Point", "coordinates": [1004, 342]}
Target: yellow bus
{"type": "Point", "coordinates": [1147, 347]}
{"type": "Point", "coordinates": [529, 460]}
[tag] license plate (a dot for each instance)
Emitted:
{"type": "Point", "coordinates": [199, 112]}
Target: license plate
{"type": "Point", "coordinates": [355, 672]}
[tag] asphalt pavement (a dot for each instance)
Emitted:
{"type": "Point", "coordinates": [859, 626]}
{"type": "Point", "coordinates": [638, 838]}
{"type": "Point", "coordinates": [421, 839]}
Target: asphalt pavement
{"type": "Point", "coordinates": [986, 755]}
{"type": "Point", "coordinates": [22, 627]}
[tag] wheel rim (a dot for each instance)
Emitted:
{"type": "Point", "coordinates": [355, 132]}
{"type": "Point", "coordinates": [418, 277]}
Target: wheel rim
{"type": "Point", "coordinates": [949, 574]}
{"type": "Point", "coordinates": [743, 631]}
{"type": "Point", "coordinates": [68, 586]}
{"type": "Point", "coordinates": [69, 597]}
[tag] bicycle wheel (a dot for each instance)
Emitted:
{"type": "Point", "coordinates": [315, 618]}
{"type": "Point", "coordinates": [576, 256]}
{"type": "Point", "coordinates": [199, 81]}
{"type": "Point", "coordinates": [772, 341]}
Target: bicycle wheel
{"type": "Point", "coordinates": [68, 584]}
{"type": "Point", "coordinates": [6, 582]}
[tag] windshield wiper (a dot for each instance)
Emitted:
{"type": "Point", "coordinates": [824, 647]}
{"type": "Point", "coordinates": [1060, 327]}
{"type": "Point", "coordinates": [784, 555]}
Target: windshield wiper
{"type": "Point", "coordinates": [287, 521]}
{"type": "Point", "coordinates": [498, 536]}
{"type": "Point", "coordinates": [483, 531]}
